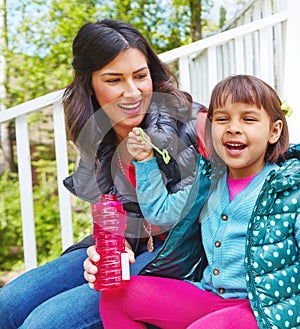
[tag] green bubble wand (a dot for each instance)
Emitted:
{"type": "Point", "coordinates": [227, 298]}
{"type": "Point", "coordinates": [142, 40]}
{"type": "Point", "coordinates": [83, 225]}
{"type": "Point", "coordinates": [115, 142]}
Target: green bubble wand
{"type": "Point", "coordinates": [164, 153]}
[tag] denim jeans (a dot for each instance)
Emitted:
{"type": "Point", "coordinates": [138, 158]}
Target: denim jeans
{"type": "Point", "coordinates": [56, 295]}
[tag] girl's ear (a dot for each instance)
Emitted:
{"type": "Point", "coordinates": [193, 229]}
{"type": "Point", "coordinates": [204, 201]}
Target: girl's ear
{"type": "Point", "coordinates": [275, 132]}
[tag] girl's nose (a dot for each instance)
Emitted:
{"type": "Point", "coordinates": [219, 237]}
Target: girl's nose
{"type": "Point", "coordinates": [234, 127]}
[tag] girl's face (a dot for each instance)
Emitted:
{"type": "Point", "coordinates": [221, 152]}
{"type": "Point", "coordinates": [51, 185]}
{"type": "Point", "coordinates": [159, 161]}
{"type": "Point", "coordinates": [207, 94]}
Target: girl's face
{"type": "Point", "coordinates": [241, 134]}
{"type": "Point", "coordinates": [123, 90]}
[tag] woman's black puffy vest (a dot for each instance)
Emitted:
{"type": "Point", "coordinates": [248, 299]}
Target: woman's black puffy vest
{"type": "Point", "coordinates": [168, 129]}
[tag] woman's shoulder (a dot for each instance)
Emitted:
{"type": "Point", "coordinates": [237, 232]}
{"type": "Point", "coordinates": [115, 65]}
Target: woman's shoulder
{"type": "Point", "coordinates": [167, 124]}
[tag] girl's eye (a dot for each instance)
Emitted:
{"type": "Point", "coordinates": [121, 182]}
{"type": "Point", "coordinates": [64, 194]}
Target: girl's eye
{"type": "Point", "coordinates": [220, 119]}
{"type": "Point", "coordinates": [250, 119]}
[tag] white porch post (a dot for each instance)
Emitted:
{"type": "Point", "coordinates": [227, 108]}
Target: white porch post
{"type": "Point", "coordinates": [292, 69]}
{"type": "Point", "coordinates": [62, 172]}
{"type": "Point", "coordinates": [26, 192]}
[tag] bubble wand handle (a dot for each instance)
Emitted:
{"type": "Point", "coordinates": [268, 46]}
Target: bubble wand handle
{"type": "Point", "coordinates": [164, 153]}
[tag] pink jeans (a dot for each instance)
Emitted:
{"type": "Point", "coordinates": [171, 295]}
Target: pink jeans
{"type": "Point", "coordinates": [172, 304]}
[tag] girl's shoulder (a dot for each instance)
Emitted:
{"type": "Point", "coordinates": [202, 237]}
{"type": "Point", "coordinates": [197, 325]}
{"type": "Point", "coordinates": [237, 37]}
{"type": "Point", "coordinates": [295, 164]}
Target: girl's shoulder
{"type": "Point", "coordinates": [290, 167]}
{"type": "Point", "coordinates": [293, 152]}
{"type": "Point", "coordinates": [287, 176]}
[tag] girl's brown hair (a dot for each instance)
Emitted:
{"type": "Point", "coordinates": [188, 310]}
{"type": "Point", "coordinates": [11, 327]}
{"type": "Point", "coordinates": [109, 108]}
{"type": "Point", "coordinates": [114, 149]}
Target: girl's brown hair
{"type": "Point", "coordinates": [250, 90]}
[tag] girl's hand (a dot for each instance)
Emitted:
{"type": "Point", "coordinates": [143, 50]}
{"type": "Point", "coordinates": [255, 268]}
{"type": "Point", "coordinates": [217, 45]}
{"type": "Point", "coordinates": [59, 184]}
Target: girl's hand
{"type": "Point", "coordinates": [90, 269]}
{"type": "Point", "coordinates": [139, 149]}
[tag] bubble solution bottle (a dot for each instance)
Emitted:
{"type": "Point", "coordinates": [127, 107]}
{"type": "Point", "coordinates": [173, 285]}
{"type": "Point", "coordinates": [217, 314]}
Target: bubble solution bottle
{"type": "Point", "coordinates": [109, 224]}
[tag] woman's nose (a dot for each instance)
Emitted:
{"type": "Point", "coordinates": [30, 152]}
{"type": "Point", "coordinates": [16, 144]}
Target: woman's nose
{"type": "Point", "coordinates": [131, 89]}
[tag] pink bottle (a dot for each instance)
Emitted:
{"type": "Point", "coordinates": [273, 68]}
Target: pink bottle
{"type": "Point", "coordinates": [109, 219]}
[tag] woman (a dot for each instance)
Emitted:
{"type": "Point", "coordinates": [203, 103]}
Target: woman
{"type": "Point", "coordinates": [119, 83]}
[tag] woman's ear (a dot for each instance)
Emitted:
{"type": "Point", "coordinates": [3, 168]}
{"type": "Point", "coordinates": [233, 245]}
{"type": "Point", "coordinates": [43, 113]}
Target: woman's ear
{"type": "Point", "coordinates": [275, 132]}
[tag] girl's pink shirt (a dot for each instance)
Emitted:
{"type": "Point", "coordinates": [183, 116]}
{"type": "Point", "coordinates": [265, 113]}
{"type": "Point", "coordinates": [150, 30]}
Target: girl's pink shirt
{"type": "Point", "coordinates": [236, 186]}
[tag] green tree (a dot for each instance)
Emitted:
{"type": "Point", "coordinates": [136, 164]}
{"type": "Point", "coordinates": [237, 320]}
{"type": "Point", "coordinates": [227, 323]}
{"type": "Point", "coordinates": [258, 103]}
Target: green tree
{"type": "Point", "coordinates": [222, 19]}
{"type": "Point", "coordinates": [40, 40]}
{"type": "Point", "coordinates": [39, 58]}
{"type": "Point", "coordinates": [47, 221]}
{"type": "Point", "coordinates": [6, 128]}
{"type": "Point", "coordinates": [193, 14]}
{"type": "Point", "coordinates": [10, 222]}
{"type": "Point", "coordinates": [146, 15]}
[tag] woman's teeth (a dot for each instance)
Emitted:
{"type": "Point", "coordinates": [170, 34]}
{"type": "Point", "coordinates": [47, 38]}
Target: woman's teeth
{"type": "Point", "coordinates": [130, 106]}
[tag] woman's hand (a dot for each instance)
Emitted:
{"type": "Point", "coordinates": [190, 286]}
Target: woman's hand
{"type": "Point", "coordinates": [90, 269]}
{"type": "Point", "coordinates": [130, 252]}
{"type": "Point", "coordinates": [139, 149]}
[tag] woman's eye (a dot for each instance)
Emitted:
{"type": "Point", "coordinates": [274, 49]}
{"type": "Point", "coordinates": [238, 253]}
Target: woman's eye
{"type": "Point", "coordinates": [112, 80]}
{"type": "Point", "coordinates": [141, 76]}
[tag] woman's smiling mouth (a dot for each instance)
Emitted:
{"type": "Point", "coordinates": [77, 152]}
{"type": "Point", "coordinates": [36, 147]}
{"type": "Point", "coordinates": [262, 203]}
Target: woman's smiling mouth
{"type": "Point", "coordinates": [131, 108]}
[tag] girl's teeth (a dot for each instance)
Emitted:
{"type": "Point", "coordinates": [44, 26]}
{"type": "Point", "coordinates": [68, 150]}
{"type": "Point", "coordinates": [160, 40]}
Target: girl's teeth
{"type": "Point", "coordinates": [235, 145]}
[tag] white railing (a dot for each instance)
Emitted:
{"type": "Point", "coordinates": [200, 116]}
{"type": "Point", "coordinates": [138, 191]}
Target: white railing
{"type": "Point", "coordinates": [268, 48]}
{"type": "Point", "coordinates": [19, 114]}
{"type": "Point", "coordinates": [267, 45]}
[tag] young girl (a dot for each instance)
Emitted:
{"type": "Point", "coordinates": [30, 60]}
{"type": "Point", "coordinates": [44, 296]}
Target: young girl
{"type": "Point", "coordinates": [244, 267]}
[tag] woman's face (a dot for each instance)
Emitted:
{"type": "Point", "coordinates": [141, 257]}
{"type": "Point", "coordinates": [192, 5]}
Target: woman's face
{"type": "Point", "coordinates": [123, 89]}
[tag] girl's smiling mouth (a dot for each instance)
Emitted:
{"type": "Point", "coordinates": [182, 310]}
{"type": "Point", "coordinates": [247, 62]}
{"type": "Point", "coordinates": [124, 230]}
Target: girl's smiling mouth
{"type": "Point", "coordinates": [235, 148]}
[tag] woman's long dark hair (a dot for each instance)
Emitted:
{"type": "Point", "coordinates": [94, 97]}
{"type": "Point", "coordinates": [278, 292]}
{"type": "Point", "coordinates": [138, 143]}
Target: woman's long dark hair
{"type": "Point", "coordinates": [95, 46]}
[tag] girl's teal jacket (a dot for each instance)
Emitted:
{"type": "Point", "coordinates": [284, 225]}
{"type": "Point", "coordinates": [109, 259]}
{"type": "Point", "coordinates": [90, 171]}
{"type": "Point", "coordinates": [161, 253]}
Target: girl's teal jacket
{"type": "Point", "coordinates": [272, 258]}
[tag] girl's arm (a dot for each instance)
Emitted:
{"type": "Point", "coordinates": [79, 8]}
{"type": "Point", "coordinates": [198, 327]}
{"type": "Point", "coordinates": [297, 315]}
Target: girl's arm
{"type": "Point", "coordinates": [157, 205]}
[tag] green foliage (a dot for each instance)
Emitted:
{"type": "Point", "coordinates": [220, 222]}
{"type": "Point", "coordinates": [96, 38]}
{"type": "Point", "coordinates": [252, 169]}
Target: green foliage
{"type": "Point", "coordinates": [46, 211]}
{"type": "Point", "coordinates": [222, 19]}
{"type": "Point", "coordinates": [47, 219]}
{"type": "Point", "coordinates": [148, 16]}
{"type": "Point", "coordinates": [10, 222]}
{"type": "Point", "coordinates": [40, 48]}
{"type": "Point", "coordinates": [40, 36]}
